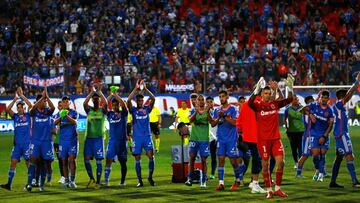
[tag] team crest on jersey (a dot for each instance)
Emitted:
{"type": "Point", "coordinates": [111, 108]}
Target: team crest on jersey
{"type": "Point", "coordinates": [326, 114]}
{"type": "Point", "coordinates": [23, 118]}
{"type": "Point", "coordinates": [272, 106]}
{"type": "Point", "coordinates": [142, 110]}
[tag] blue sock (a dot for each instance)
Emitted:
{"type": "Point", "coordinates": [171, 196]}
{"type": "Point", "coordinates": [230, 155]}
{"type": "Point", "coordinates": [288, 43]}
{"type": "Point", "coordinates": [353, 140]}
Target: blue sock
{"type": "Point", "coordinates": [107, 172]}
{"type": "Point", "coordinates": [221, 173]}
{"type": "Point", "coordinates": [72, 178]}
{"type": "Point", "coordinates": [316, 160]}
{"type": "Point", "coordinates": [89, 169]}
{"type": "Point", "coordinates": [49, 177]}
{"type": "Point", "coordinates": [151, 167]}
{"type": "Point", "coordinates": [351, 168]}
{"type": "Point", "coordinates": [11, 176]}
{"type": "Point", "coordinates": [237, 172]}
{"type": "Point", "coordinates": [299, 170]}
{"type": "Point", "coordinates": [31, 173]}
{"type": "Point", "coordinates": [42, 175]}
{"type": "Point", "coordinates": [322, 164]}
{"type": "Point", "coordinates": [242, 168]}
{"type": "Point", "coordinates": [190, 174]}
{"type": "Point", "coordinates": [98, 171]}
{"type": "Point", "coordinates": [204, 177]}
{"type": "Point", "coordinates": [335, 171]}
{"type": "Point", "coordinates": [67, 180]}
{"type": "Point", "coordinates": [138, 169]}
{"type": "Point", "coordinates": [123, 170]}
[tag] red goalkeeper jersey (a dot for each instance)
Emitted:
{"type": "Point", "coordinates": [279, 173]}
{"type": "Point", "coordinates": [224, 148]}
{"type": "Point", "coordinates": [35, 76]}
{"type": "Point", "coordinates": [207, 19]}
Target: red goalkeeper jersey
{"type": "Point", "coordinates": [268, 118]}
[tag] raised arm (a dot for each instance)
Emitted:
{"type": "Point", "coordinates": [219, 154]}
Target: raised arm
{"type": "Point", "coordinates": [36, 105]}
{"type": "Point", "coordinates": [103, 101]}
{"type": "Point", "coordinates": [9, 107]}
{"type": "Point", "coordinates": [152, 97]}
{"type": "Point", "coordinates": [352, 90]}
{"type": "Point", "coordinates": [51, 105]}
{"type": "Point", "coordinates": [131, 95]}
{"type": "Point", "coordinates": [121, 102]}
{"type": "Point", "coordinates": [87, 99]}
{"type": "Point", "coordinates": [22, 96]}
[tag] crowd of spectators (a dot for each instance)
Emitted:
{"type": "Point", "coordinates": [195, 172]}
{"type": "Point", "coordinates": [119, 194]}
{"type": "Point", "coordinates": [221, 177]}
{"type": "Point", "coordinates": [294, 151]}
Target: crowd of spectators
{"type": "Point", "coordinates": [211, 44]}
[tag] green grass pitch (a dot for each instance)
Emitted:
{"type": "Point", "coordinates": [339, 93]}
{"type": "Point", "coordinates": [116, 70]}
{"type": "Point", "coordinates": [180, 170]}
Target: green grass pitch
{"type": "Point", "coordinates": [299, 190]}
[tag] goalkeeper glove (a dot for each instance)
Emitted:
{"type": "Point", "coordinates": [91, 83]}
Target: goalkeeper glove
{"type": "Point", "coordinates": [290, 82]}
{"type": "Point", "coordinates": [114, 89]}
{"type": "Point", "coordinates": [258, 86]}
{"type": "Point", "coordinates": [64, 113]}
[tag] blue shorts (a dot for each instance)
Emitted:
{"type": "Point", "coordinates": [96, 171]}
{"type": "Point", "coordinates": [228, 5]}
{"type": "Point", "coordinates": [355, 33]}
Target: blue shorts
{"type": "Point", "coordinates": [21, 150]}
{"type": "Point", "coordinates": [344, 145]}
{"type": "Point", "coordinates": [42, 149]}
{"type": "Point", "coordinates": [196, 146]}
{"type": "Point", "coordinates": [142, 142]}
{"type": "Point", "coordinates": [94, 147]}
{"type": "Point", "coordinates": [306, 145]}
{"type": "Point", "coordinates": [315, 143]}
{"type": "Point", "coordinates": [228, 149]}
{"type": "Point", "coordinates": [67, 148]}
{"type": "Point", "coordinates": [117, 148]}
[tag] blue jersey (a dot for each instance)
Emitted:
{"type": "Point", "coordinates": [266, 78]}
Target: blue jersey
{"type": "Point", "coordinates": [307, 125]}
{"type": "Point", "coordinates": [341, 119]}
{"type": "Point", "coordinates": [22, 128]}
{"type": "Point", "coordinates": [141, 121]}
{"type": "Point", "coordinates": [68, 130]}
{"type": "Point", "coordinates": [117, 122]}
{"type": "Point", "coordinates": [323, 116]}
{"type": "Point", "coordinates": [41, 125]}
{"type": "Point", "coordinates": [226, 132]}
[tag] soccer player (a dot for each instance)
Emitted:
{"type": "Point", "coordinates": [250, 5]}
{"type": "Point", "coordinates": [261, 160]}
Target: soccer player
{"type": "Point", "coordinates": [213, 138]}
{"type": "Point", "coordinates": [306, 145]}
{"type": "Point", "coordinates": [183, 115]}
{"type": "Point", "coordinates": [95, 130]}
{"type": "Point", "coordinates": [41, 148]}
{"type": "Point", "coordinates": [269, 142]}
{"type": "Point", "coordinates": [21, 134]}
{"type": "Point", "coordinates": [199, 139]}
{"type": "Point", "coordinates": [117, 145]}
{"type": "Point", "coordinates": [322, 123]}
{"type": "Point", "coordinates": [68, 144]}
{"type": "Point", "coordinates": [247, 126]}
{"type": "Point", "coordinates": [56, 146]}
{"type": "Point", "coordinates": [342, 137]}
{"type": "Point", "coordinates": [141, 132]}
{"type": "Point", "coordinates": [227, 135]}
{"type": "Point", "coordinates": [155, 125]}
{"type": "Point", "coordinates": [294, 128]}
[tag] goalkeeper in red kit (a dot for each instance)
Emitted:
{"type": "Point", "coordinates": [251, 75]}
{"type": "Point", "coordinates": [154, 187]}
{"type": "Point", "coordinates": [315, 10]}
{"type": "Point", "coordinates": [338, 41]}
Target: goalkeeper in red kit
{"type": "Point", "coordinates": [269, 142]}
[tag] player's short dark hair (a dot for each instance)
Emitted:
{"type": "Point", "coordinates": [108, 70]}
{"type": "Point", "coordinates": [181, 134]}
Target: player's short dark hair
{"type": "Point", "coordinates": [193, 95]}
{"type": "Point", "coordinates": [308, 98]}
{"type": "Point", "coordinates": [38, 97]}
{"type": "Point", "coordinates": [241, 97]}
{"type": "Point", "coordinates": [267, 87]}
{"type": "Point", "coordinates": [139, 96]}
{"type": "Point", "coordinates": [223, 92]}
{"type": "Point", "coordinates": [20, 102]}
{"type": "Point", "coordinates": [180, 125]}
{"type": "Point", "coordinates": [65, 98]}
{"type": "Point", "coordinates": [341, 93]}
{"type": "Point", "coordinates": [209, 97]}
{"type": "Point", "coordinates": [325, 93]}
{"type": "Point", "coordinates": [59, 102]}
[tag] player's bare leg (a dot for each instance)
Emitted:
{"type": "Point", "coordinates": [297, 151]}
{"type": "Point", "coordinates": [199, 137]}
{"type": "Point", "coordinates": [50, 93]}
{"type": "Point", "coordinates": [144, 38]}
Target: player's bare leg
{"type": "Point", "coordinates": [265, 163]}
{"type": "Point", "coordinates": [279, 174]}
{"type": "Point", "coordinates": [300, 166]}
{"type": "Point", "coordinates": [107, 171]}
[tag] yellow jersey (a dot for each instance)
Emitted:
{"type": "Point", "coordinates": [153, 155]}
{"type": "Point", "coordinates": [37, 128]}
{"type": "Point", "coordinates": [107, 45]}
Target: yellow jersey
{"type": "Point", "coordinates": [183, 115]}
{"type": "Point", "coordinates": [154, 115]}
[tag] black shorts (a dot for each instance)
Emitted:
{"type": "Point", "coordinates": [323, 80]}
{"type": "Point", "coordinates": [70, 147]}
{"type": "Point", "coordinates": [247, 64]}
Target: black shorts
{"type": "Point", "coordinates": [128, 129]}
{"type": "Point", "coordinates": [154, 128]}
